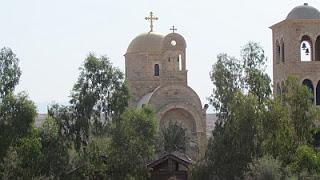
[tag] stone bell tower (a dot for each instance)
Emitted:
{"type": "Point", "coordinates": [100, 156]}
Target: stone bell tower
{"type": "Point", "coordinates": [296, 49]}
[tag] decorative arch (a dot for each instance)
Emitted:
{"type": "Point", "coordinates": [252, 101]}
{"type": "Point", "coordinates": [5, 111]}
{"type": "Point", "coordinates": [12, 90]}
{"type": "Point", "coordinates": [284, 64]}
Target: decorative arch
{"type": "Point", "coordinates": [317, 49]}
{"type": "Point", "coordinates": [182, 116]}
{"type": "Point", "coordinates": [308, 83]}
{"type": "Point", "coordinates": [278, 51]}
{"type": "Point", "coordinates": [156, 70]}
{"type": "Point", "coordinates": [188, 108]}
{"type": "Point", "coordinates": [306, 49]}
{"type": "Point", "coordinates": [318, 94]}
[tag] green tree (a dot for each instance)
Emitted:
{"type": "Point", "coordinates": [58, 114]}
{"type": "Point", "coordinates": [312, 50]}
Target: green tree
{"type": "Point", "coordinates": [9, 71]}
{"type": "Point", "coordinates": [172, 138]}
{"type": "Point", "coordinates": [99, 95]}
{"type": "Point", "coordinates": [255, 79]}
{"type": "Point", "coordinates": [236, 144]}
{"type": "Point", "coordinates": [264, 168]}
{"type": "Point", "coordinates": [132, 144]}
{"type": "Point", "coordinates": [240, 90]}
{"type": "Point", "coordinates": [225, 75]}
{"type": "Point", "coordinates": [302, 111]}
{"type": "Point", "coordinates": [54, 149]}
{"type": "Point", "coordinates": [23, 160]}
{"type": "Point", "coordinates": [306, 159]}
{"type": "Point", "coordinates": [277, 132]}
{"type": "Point", "coordinates": [17, 115]}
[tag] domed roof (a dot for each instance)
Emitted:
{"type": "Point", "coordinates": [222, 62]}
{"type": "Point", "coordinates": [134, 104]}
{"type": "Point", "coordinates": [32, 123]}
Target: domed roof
{"type": "Point", "coordinates": [304, 12]}
{"type": "Point", "coordinates": [146, 42]}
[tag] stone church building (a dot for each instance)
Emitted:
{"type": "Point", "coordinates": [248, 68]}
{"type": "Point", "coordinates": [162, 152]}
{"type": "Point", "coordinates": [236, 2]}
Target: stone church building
{"type": "Point", "coordinates": [155, 68]}
{"type": "Point", "coordinates": [296, 49]}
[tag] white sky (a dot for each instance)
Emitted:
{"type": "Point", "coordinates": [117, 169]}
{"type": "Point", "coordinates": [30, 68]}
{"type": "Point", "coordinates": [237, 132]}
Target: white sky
{"type": "Point", "coordinates": [52, 38]}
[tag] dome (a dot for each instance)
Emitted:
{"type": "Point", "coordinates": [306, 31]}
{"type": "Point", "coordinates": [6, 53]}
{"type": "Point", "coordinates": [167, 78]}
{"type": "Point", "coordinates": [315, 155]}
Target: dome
{"type": "Point", "coordinates": [146, 42]}
{"type": "Point", "coordinates": [304, 12]}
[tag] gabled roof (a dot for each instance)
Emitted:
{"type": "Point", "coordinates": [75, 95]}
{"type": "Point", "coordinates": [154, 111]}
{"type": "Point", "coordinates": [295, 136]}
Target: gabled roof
{"type": "Point", "coordinates": [177, 156]}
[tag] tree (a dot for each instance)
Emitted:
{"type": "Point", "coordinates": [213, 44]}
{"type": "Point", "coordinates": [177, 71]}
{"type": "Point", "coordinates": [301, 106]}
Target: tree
{"type": "Point", "coordinates": [9, 71]}
{"type": "Point", "coordinates": [225, 75]}
{"type": "Point", "coordinates": [99, 95]}
{"type": "Point", "coordinates": [277, 133]}
{"type": "Point", "coordinates": [17, 117]}
{"type": "Point", "coordinates": [236, 144]}
{"type": "Point", "coordinates": [253, 62]}
{"type": "Point", "coordinates": [252, 124]}
{"type": "Point", "coordinates": [24, 157]}
{"type": "Point", "coordinates": [54, 149]}
{"type": "Point", "coordinates": [306, 159]}
{"type": "Point", "coordinates": [132, 144]}
{"type": "Point", "coordinates": [264, 168]}
{"type": "Point", "coordinates": [172, 138]}
{"type": "Point", "coordinates": [240, 91]}
{"type": "Point", "coordinates": [302, 111]}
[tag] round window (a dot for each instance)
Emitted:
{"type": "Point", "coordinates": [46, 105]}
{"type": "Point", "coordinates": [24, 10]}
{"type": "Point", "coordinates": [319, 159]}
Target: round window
{"type": "Point", "coordinates": [173, 42]}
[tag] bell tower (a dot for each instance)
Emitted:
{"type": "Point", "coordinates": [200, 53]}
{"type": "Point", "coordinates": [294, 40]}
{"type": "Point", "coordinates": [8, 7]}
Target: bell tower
{"type": "Point", "coordinates": [296, 49]}
{"type": "Point", "coordinates": [174, 59]}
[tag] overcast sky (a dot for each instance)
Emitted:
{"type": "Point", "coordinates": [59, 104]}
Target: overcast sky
{"type": "Point", "coordinates": [52, 37]}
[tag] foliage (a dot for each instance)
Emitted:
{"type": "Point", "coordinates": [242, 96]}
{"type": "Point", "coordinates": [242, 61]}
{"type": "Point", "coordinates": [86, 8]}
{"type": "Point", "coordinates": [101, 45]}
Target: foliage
{"type": "Point", "coordinates": [255, 78]}
{"type": "Point", "coordinates": [240, 90]}
{"type": "Point", "coordinates": [264, 168]}
{"type": "Point", "coordinates": [9, 71]}
{"type": "Point", "coordinates": [99, 96]}
{"type": "Point", "coordinates": [91, 162]}
{"type": "Point", "coordinates": [172, 138]}
{"type": "Point", "coordinates": [306, 159]}
{"type": "Point", "coordinates": [17, 114]}
{"type": "Point", "coordinates": [252, 124]}
{"type": "Point", "coordinates": [132, 144]}
{"type": "Point", "coordinates": [54, 149]}
{"type": "Point", "coordinates": [277, 132]}
{"type": "Point", "coordinates": [225, 75]}
{"type": "Point", "coordinates": [303, 112]}
{"type": "Point", "coordinates": [23, 160]}
{"type": "Point", "coordinates": [235, 145]}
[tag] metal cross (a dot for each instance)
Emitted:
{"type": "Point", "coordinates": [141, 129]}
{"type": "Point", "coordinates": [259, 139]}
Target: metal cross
{"type": "Point", "coordinates": [173, 29]}
{"type": "Point", "coordinates": [151, 18]}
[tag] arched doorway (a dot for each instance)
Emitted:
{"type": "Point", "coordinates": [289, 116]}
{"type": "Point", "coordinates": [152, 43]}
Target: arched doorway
{"type": "Point", "coordinates": [184, 119]}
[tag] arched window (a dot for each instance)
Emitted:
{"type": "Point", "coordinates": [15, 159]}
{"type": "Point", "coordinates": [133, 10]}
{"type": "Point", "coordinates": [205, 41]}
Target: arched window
{"type": "Point", "coordinates": [282, 51]}
{"type": "Point", "coordinates": [317, 49]}
{"type": "Point", "coordinates": [318, 93]}
{"type": "Point", "coordinates": [309, 85]}
{"type": "Point", "coordinates": [278, 50]}
{"type": "Point", "coordinates": [306, 49]}
{"type": "Point", "coordinates": [156, 70]}
{"type": "Point", "coordinates": [180, 62]}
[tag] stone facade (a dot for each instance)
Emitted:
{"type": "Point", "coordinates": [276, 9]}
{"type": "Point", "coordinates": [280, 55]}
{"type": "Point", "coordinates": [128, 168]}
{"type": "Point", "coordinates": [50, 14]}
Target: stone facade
{"type": "Point", "coordinates": [157, 76]}
{"type": "Point", "coordinates": [301, 25]}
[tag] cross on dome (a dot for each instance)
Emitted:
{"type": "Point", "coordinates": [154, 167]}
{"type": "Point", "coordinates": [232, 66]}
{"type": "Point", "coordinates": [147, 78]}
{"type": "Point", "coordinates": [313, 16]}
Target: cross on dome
{"type": "Point", "coordinates": [173, 29]}
{"type": "Point", "coordinates": [151, 18]}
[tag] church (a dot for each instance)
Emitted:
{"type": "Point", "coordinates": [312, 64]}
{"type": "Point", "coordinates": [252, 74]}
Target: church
{"type": "Point", "coordinates": [296, 49]}
{"type": "Point", "coordinates": [155, 68]}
